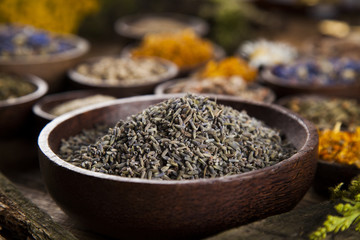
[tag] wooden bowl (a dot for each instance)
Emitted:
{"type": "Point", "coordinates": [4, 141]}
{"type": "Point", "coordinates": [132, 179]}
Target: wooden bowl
{"type": "Point", "coordinates": [125, 26]}
{"type": "Point", "coordinates": [80, 81]}
{"type": "Point", "coordinates": [15, 114]}
{"type": "Point", "coordinates": [137, 208]}
{"type": "Point", "coordinates": [42, 109]}
{"type": "Point", "coordinates": [17, 133]}
{"type": "Point", "coordinates": [218, 54]}
{"type": "Point", "coordinates": [51, 68]}
{"type": "Point", "coordinates": [330, 174]}
{"type": "Point", "coordinates": [283, 89]}
{"type": "Point", "coordinates": [166, 86]}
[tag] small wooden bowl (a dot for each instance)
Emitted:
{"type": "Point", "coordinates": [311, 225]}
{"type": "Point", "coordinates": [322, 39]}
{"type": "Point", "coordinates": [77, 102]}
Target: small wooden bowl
{"type": "Point", "coordinates": [164, 89]}
{"type": "Point", "coordinates": [17, 133]}
{"type": "Point", "coordinates": [282, 89]}
{"type": "Point", "coordinates": [218, 54]}
{"type": "Point", "coordinates": [42, 109]}
{"type": "Point", "coordinates": [330, 174]}
{"type": "Point", "coordinates": [138, 208]}
{"type": "Point", "coordinates": [51, 68]}
{"type": "Point", "coordinates": [80, 81]}
{"type": "Point", "coordinates": [125, 25]}
{"type": "Point", "coordinates": [15, 114]}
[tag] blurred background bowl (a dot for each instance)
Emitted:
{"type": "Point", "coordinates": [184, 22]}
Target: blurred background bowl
{"type": "Point", "coordinates": [42, 109]}
{"type": "Point", "coordinates": [17, 132]}
{"type": "Point", "coordinates": [51, 68]}
{"type": "Point", "coordinates": [15, 114]}
{"type": "Point", "coordinates": [126, 26]}
{"type": "Point", "coordinates": [330, 174]}
{"type": "Point", "coordinates": [218, 54]}
{"type": "Point", "coordinates": [165, 88]}
{"type": "Point", "coordinates": [281, 88]}
{"type": "Point", "coordinates": [80, 81]}
{"type": "Point", "coordinates": [139, 208]}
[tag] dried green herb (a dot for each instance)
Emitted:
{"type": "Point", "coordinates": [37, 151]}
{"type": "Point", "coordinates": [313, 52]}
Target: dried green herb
{"type": "Point", "coordinates": [13, 87]}
{"type": "Point", "coordinates": [182, 138]}
{"type": "Point", "coordinates": [326, 112]}
{"type": "Point", "coordinates": [348, 209]}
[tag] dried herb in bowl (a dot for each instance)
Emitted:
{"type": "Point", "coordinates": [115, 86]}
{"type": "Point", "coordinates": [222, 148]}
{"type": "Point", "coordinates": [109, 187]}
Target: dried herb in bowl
{"type": "Point", "coordinates": [340, 146]}
{"type": "Point", "coordinates": [27, 41]}
{"type": "Point", "coordinates": [326, 112]}
{"type": "Point", "coordinates": [12, 86]}
{"type": "Point", "coordinates": [182, 138]}
{"type": "Point", "coordinates": [231, 66]}
{"type": "Point", "coordinates": [319, 72]}
{"type": "Point", "coordinates": [122, 71]}
{"type": "Point", "coordinates": [184, 48]}
{"type": "Point", "coordinates": [233, 86]}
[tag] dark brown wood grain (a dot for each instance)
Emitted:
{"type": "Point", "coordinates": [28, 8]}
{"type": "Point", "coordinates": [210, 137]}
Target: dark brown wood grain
{"type": "Point", "coordinates": [21, 219]}
{"type": "Point", "coordinates": [136, 208]}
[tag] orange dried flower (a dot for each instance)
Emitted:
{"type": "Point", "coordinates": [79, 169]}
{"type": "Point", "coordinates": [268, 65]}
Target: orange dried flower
{"type": "Point", "coordinates": [228, 67]}
{"type": "Point", "coordinates": [341, 147]}
{"type": "Point", "coordinates": [184, 48]}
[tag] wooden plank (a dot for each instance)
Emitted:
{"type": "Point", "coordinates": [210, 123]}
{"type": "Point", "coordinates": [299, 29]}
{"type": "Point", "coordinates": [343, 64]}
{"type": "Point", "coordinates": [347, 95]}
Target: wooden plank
{"type": "Point", "coordinates": [21, 219]}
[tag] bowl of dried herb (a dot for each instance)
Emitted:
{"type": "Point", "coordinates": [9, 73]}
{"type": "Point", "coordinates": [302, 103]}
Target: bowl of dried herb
{"type": "Point", "coordinates": [54, 105]}
{"type": "Point", "coordinates": [338, 121]}
{"type": "Point", "coordinates": [230, 86]}
{"type": "Point", "coordinates": [18, 93]}
{"type": "Point", "coordinates": [186, 49]}
{"type": "Point", "coordinates": [137, 26]}
{"type": "Point", "coordinates": [122, 76]}
{"type": "Point", "coordinates": [28, 50]}
{"type": "Point", "coordinates": [338, 77]}
{"type": "Point", "coordinates": [176, 166]}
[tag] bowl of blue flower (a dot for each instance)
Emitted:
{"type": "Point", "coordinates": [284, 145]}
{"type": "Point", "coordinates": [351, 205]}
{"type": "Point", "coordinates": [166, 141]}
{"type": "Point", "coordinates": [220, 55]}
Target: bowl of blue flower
{"type": "Point", "coordinates": [28, 50]}
{"type": "Point", "coordinates": [338, 77]}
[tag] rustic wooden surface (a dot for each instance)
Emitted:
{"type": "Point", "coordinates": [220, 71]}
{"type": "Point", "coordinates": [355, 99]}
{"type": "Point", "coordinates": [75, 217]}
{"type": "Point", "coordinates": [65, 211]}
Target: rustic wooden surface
{"type": "Point", "coordinates": [296, 224]}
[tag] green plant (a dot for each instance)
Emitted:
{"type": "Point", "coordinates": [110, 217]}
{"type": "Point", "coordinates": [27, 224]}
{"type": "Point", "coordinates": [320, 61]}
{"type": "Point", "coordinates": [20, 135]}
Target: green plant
{"type": "Point", "coordinates": [348, 209]}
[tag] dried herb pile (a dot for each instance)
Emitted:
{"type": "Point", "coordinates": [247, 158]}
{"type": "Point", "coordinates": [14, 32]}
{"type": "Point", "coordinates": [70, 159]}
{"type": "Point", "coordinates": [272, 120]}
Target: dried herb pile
{"type": "Point", "coordinates": [182, 138]}
{"type": "Point", "coordinates": [12, 87]}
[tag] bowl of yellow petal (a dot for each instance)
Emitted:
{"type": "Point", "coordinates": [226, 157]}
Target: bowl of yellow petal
{"type": "Point", "coordinates": [187, 50]}
{"type": "Point", "coordinates": [339, 160]}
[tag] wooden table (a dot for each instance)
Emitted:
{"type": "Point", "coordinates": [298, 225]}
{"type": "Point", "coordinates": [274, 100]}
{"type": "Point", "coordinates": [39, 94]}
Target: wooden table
{"type": "Point", "coordinates": [296, 224]}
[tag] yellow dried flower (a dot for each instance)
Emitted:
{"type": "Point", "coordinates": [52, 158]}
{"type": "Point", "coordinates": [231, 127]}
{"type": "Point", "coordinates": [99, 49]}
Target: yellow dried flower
{"type": "Point", "coordinates": [228, 67]}
{"type": "Point", "coordinates": [184, 48]}
{"type": "Point", "coordinates": [62, 16]}
{"type": "Point", "coordinates": [341, 147]}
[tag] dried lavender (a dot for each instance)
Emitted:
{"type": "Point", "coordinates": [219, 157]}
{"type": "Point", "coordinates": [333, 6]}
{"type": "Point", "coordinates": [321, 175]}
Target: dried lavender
{"type": "Point", "coordinates": [182, 138]}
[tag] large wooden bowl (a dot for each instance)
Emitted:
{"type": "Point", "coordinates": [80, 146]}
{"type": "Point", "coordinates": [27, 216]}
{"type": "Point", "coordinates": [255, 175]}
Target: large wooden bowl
{"type": "Point", "coordinates": [51, 68]}
{"type": "Point", "coordinates": [80, 81]}
{"type": "Point", "coordinates": [151, 209]}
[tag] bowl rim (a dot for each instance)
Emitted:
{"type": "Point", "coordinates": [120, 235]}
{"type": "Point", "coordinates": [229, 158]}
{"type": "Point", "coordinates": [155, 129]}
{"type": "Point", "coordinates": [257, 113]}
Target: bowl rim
{"type": "Point", "coordinates": [311, 143]}
{"type": "Point", "coordinates": [172, 70]}
{"type": "Point", "coordinates": [161, 88]}
{"type": "Point", "coordinates": [123, 27]}
{"type": "Point", "coordinates": [82, 46]}
{"type": "Point", "coordinates": [38, 106]}
{"type": "Point", "coordinates": [41, 89]}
